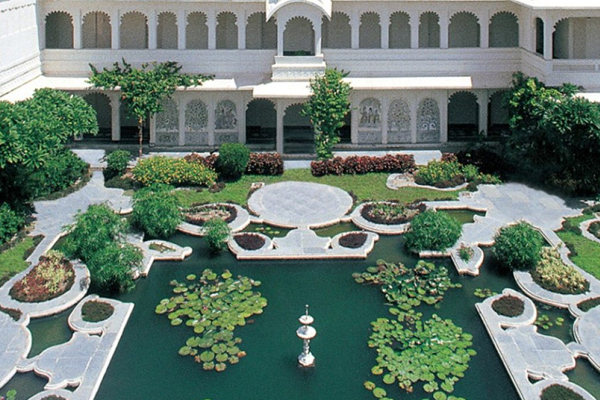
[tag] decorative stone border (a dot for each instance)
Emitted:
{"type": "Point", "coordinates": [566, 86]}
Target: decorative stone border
{"type": "Point", "coordinates": [397, 181]}
{"type": "Point", "coordinates": [383, 229]}
{"type": "Point", "coordinates": [241, 253]}
{"type": "Point", "coordinates": [49, 307]}
{"type": "Point", "coordinates": [176, 253]}
{"type": "Point", "coordinates": [77, 323]}
{"type": "Point", "coordinates": [585, 226]}
{"type": "Point", "coordinates": [363, 250]}
{"type": "Point", "coordinates": [240, 222]}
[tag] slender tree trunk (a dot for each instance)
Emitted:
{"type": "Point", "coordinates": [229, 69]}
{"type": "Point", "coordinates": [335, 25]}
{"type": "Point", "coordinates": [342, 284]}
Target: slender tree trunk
{"type": "Point", "coordinates": [141, 135]}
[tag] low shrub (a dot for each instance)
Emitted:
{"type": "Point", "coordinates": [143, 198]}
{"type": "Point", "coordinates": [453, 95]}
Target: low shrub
{"type": "Point", "coordinates": [364, 164]}
{"type": "Point", "coordinates": [441, 174]}
{"type": "Point", "coordinates": [209, 161]}
{"type": "Point", "coordinates": [60, 172]}
{"type": "Point", "coordinates": [199, 214]}
{"type": "Point", "coordinates": [249, 241]}
{"type": "Point", "coordinates": [432, 230]}
{"type": "Point", "coordinates": [465, 253]}
{"type": "Point", "coordinates": [10, 223]}
{"type": "Point", "coordinates": [554, 275]}
{"type": "Point", "coordinates": [265, 164]}
{"type": "Point", "coordinates": [116, 164]}
{"type": "Point", "coordinates": [232, 161]}
{"type": "Point", "coordinates": [112, 268]}
{"type": "Point", "coordinates": [96, 311]}
{"type": "Point", "coordinates": [509, 306]}
{"type": "Point", "coordinates": [216, 233]}
{"type": "Point", "coordinates": [50, 278]}
{"type": "Point", "coordinates": [594, 229]}
{"type": "Point", "coordinates": [391, 213]}
{"type": "Point", "coordinates": [518, 246]}
{"type": "Point", "coordinates": [587, 305]}
{"type": "Point", "coordinates": [559, 392]}
{"type": "Point", "coordinates": [173, 171]}
{"type": "Point", "coordinates": [156, 210]}
{"type": "Point", "coordinates": [353, 240]}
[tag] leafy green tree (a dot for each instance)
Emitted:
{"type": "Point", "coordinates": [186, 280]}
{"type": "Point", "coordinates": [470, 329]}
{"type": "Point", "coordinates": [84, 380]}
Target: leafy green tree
{"type": "Point", "coordinates": [156, 210]}
{"type": "Point", "coordinates": [326, 107]}
{"type": "Point", "coordinates": [555, 135]}
{"type": "Point", "coordinates": [144, 89]}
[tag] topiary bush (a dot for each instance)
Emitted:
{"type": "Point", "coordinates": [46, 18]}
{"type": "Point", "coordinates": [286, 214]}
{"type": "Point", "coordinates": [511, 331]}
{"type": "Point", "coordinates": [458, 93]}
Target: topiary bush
{"type": "Point", "coordinates": [432, 230]}
{"type": "Point", "coordinates": [518, 246]}
{"type": "Point", "coordinates": [156, 210]}
{"type": "Point", "coordinates": [173, 171]}
{"type": "Point", "coordinates": [233, 160]}
{"type": "Point", "coordinates": [10, 223]}
{"type": "Point", "coordinates": [116, 164]}
{"type": "Point", "coordinates": [216, 233]}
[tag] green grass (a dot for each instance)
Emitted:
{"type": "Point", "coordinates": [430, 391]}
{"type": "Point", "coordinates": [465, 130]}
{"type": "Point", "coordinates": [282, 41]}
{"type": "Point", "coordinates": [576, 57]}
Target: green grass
{"type": "Point", "coordinates": [365, 187]}
{"type": "Point", "coordinates": [588, 251]}
{"type": "Point", "coordinates": [12, 261]}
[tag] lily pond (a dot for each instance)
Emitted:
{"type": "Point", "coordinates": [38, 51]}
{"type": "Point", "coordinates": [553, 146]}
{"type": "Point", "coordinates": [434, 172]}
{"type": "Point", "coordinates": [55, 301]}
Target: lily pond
{"type": "Point", "coordinates": [148, 365]}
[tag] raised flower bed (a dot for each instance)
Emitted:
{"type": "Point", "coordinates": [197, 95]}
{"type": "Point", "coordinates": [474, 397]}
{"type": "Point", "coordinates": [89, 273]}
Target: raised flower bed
{"type": "Point", "coordinates": [249, 241]}
{"type": "Point", "coordinates": [391, 213]}
{"type": "Point", "coordinates": [199, 214]}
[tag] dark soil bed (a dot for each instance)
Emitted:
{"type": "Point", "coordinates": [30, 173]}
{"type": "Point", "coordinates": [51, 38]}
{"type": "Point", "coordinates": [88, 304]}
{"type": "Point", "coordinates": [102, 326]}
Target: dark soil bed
{"type": "Point", "coordinates": [96, 311]}
{"type": "Point", "coordinates": [390, 213]}
{"type": "Point", "coordinates": [353, 240]}
{"type": "Point", "coordinates": [41, 283]}
{"type": "Point", "coordinates": [249, 241]}
{"type": "Point", "coordinates": [559, 392]}
{"type": "Point", "coordinates": [588, 304]}
{"type": "Point", "coordinates": [509, 306]}
{"type": "Point", "coordinates": [199, 214]}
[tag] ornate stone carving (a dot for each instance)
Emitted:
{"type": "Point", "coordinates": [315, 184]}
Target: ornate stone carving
{"type": "Point", "coordinates": [369, 137]}
{"type": "Point", "coordinates": [399, 116]}
{"type": "Point", "coordinates": [167, 138]}
{"type": "Point", "coordinates": [196, 117]}
{"type": "Point", "coordinates": [196, 138]}
{"type": "Point", "coordinates": [370, 114]}
{"type": "Point", "coordinates": [225, 115]}
{"type": "Point", "coordinates": [168, 119]}
{"type": "Point", "coordinates": [428, 121]}
{"type": "Point", "coordinates": [226, 137]}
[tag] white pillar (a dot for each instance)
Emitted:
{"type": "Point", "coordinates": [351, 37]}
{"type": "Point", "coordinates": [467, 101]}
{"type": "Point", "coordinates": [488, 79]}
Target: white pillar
{"type": "Point", "coordinates": [484, 29]}
{"type": "Point", "coordinates": [385, 29]}
{"type": "Point", "coordinates": [318, 37]}
{"type": "Point", "coordinates": [42, 34]}
{"type": "Point", "coordinates": [444, 23]}
{"type": "Point", "coordinates": [355, 29]}
{"type": "Point", "coordinates": [548, 30]}
{"type": "Point", "coordinates": [526, 33]}
{"type": "Point", "coordinates": [181, 25]}
{"type": "Point", "coordinates": [280, 29]}
{"type": "Point", "coordinates": [77, 29]}
{"type": "Point", "coordinates": [115, 116]}
{"type": "Point", "coordinates": [279, 130]}
{"type": "Point", "coordinates": [444, 117]}
{"type": "Point", "coordinates": [211, 22]}
{"type": "Point", "coordinates": [385, 106]}
{"type": "Point", "coordinates": [115, 34]}
{"type": "Point", "coordinates": [354, 122]}
{"type": "Point", "coordinates": [483, 102]}
{"type": "Point", "coordinates": [241, 119]}
{"type": "Point", "coordinates": [241, 22]}
{"type": "Point", "coordinates": [413, 118]}
{"type": "Point", "coordinates": [181, 104]}
{"type": "Point", "coordinates": [152, 22]}
{"type": "Point", "coordinates": [414, 29]}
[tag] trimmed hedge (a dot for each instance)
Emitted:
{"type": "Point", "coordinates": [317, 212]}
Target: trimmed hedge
{"type": "Point", "coordinates": [518, 246]}
{"type": "Point", "coordinates": [173, 171]}
{"type": "Point", "coordinates": [265, 164]}
{"type": "Point", "coordinates": [364, 164]}
{"type": "Point", "coordinates": [432, 230]}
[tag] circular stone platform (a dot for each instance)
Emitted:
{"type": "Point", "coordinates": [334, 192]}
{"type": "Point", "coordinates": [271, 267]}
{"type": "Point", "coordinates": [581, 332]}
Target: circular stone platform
{"type": "Point", "coordinates": [300, 204]}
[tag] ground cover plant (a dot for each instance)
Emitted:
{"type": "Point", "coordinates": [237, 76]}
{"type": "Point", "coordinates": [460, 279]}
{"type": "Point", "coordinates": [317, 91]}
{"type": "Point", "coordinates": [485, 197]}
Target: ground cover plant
{"type": "Point", "coordinates": [51, 277]}
{"type": "Point", "coordinates": [391, 213]}
{"type": "Point", "coordinates": [156, 211]}
{"type": "Point", "coordinates": [432, 230]}
{"type": "Point", "coordinates": [249, 241]}
{"type": "Point", "coordinates": [448, 172]}
{"type": "Point", "coordinates": [173, 171]}
{"type": "Point", "coordinates": [96, 311]}
{"type": "Point", "coordinates": [594, 229]}
{"type": "Point", "coordinates": [465, 253]}
{"type": "Point", "coordinates": [200, 213]}
{"type": "Point", "coordinates": [553, 274]}
{"type": "Point", "coordinates": [353, 240]}
{"type": "Point", "coordinates": [584, 253]}
{"type": "Point", "coordinates": [518, 246]}
{"type": "Point", "coordinates": [213, 306]}
{"type": "Point", "coordinates": [12, 258]}
{"type": "Point", "coordinates": [508, 306]}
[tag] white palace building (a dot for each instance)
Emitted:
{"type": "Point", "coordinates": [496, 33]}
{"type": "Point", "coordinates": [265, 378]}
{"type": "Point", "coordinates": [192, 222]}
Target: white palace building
{"type": "Point", "coordinates": [422, 72]}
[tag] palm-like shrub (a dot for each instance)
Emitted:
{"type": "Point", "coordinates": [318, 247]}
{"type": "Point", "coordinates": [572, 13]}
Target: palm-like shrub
{"type": "Point", "coordinates": [112, 267]}
{"type": "Point", "coordinates": [432, 230]}
{"type": "Point", "coordinates": [156, 210]}
{"type": "Point", "coordinates": [518, 246]}
{"type": "Point", "coordinates": [216, 233]}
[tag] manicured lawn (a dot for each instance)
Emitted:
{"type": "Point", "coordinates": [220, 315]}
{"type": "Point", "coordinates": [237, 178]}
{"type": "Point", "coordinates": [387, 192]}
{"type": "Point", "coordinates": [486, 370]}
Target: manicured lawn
{"type": "Point", "coordinates": [365, 187]}
{"type": "Point", "coordinates": [588, 252]}
{"type": "Point", "coordinates": [12, 261]}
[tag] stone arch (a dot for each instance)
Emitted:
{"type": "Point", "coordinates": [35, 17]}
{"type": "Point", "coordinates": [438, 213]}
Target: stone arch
{"type": "Point", "coordinates": [166, 31]}
{"type": "Point", "coordinates": [399, 31]}
{"type": "Point", "coordinates": [463, 30]}
{"type": "Point", "coordinates": [261, 34]}
{"type": "Point", "coordinates": [337, 33]}
{"type": "Point", "coordinates": [101, 103]}
{"type": "Point", "coordinates": [504, 30]}
{"type": "Point", "coordinates": [498, 115]}
{"type": "Point", "coordinates": [576, 38]}
{"type": "Point", "coordinates": [369, 31]}
{"type": "Point", "coordinates": [399, 123]}
{"type": "Point", "coordinates": [539, 36]}
{"type": "Point", "coordinates": [369, 122]}
{"type": "Point", "coordinates": [298, 37]}
{"type": "Point", "coordinates": [429, 30]}
{"type": "Point", "coordinates": [196, 123]}
{"type": "Point", "coordinates": [561, 38]}
{"type": "Point", "coordinates": [167, 124]}
{"type": "Point", "coordinates": [96, 31]}
{"type": "Point", "coordinates": [134, 30]}
{"type": "Point", "coordinates": [196, 31]}
{"type": "Point", "coordinates": [298, 134]}
{"type": "Point", "coordinates": [463, 115]}
{"type": "Point", "coordinates": [428, 121]}
{"type": "Point", "coordinates": [59, 30]}
{"type": "Point", "coordinates": [227, 31]}
{"type": "Point", "coordinates": [261, 123]}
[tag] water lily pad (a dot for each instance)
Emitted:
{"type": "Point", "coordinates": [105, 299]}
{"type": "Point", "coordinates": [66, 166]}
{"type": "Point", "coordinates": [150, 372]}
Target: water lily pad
{"type": "Point", "coordinates": [191, 277]}
{"type": "Point", "coordinates": [160, 309]}
{"type": "Point", "coordinates": [388, 379]}
{"type": "Point", "coordinates": [207, 356]}
{"type": "Point", "coordinates": [220, 367]}
{"type": "Point", "coordinates": [176, 321]}
{"type": "Point", "coordinates": [376, 370]}
{"type": "Point", "coordinates": [185, 351]}
{"type": "Point", "coordinates": [369, 385]}
{"type": "Point", "coordinates": [226, 275]}
{"type": "Point", "coordinates": [379, 392]}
